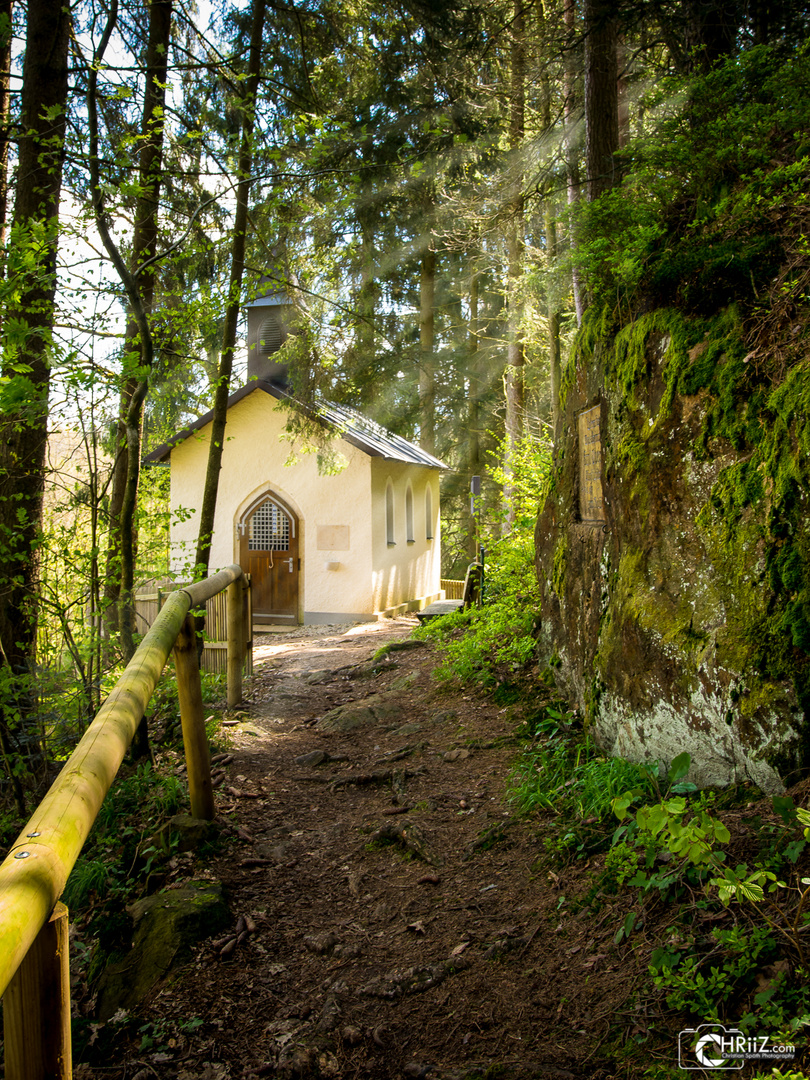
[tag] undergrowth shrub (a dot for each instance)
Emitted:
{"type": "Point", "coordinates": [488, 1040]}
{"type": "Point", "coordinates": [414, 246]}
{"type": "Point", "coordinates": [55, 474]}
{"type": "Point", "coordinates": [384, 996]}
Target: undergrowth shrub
{"type": "Point", "coordinates": [752, 974]}
{"type": "Point", "coordinates": [701, 213]}
{"type": "Point", "coordinates": [119, 854]}
{"type": "Point", "coordinates": [572, 779]}
{"type": "Point", "coordinates": [495, 643]}
{"type": "Point", "coordinates": [722, 981]}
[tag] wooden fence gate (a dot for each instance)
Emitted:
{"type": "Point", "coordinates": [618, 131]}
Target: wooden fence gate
{"type": "Point", "coordinates": [215, 649]}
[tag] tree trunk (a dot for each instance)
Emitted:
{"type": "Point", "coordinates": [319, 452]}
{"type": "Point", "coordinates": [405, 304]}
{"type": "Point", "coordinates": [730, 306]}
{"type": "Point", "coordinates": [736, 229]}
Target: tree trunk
{"type": "Point", "coordinates": [26, 352]}
{"type": "Point", "coordinates": [6, 8]}
{"type": "Point", "coordinates": [601, 97]}
{"type": "Point", "coordinates": [367, 293]}
{"type": "Point", "coordinates": [570, 143]}
{"type": "Point", "coordinates": [124, 491]}
{"type": "Point", "coordinates": [623, 94]}
{"type": "Point", "coordinates": [209, 502]}
{"type": "Point", "coordinates": [711, 31]}
{"type": "Point", "coordinates": [474, 403]}
{"type": "Point", "coordinates": [515, 358]}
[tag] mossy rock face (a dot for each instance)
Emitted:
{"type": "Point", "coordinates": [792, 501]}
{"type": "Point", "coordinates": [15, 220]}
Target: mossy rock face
{"type": "Point", "coordinates": [679, 625]}
{"type": "Point", "coordinates": [166, 927]}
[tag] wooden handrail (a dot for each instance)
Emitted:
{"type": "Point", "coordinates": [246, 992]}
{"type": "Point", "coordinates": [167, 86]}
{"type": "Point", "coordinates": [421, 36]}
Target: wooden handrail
{"type": "Point", "coordinates": [35, 871]}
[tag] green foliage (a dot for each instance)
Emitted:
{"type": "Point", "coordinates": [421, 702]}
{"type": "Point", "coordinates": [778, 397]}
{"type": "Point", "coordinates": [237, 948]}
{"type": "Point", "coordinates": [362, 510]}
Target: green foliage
{"type": "Point", "coordinates": [699, 217]}
{"type": "Point", "coordinates": [678, 845]}
{"type": "Point", "coordinates": [165, 706]}
{"type": "Point", "coordinates": [724, 983]}
{"type": "Point", "coordinates": [491, 645]}
{"type": "Point", "coordinates": [781, 1074]}
{"type": "Point", "coordinates": [673, 849]}
{"type": "Point", "coordinates": [525, 482]}
{"type": "Point", "coordinates": [621, 865]}
{"type": "Point", "coordinates": [571, 778]}
{"type": "Point", "coordinates": [701, 989]}
{"type": "Point", "coordinates": [89, 877]}
{"type": "Point", "coordinates": [119, 857]}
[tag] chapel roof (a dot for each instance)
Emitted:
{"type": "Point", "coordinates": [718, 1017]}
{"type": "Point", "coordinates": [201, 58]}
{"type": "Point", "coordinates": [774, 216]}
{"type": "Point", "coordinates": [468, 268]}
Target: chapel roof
{"type": "Point", "coordinates": [351, 425]}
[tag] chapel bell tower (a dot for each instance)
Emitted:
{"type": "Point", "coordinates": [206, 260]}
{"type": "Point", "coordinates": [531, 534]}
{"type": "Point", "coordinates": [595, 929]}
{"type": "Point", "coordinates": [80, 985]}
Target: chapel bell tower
{"type": "Point", "coordinates": [269, 317]}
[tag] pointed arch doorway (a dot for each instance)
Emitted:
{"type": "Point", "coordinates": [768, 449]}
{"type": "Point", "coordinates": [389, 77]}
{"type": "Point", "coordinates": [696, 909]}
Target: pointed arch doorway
{"type": "Point", "coordinates": [268, 550]}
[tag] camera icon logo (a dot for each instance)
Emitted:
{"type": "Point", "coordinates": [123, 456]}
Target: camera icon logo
{"type": "Point", "coordinates": [711, 1046]}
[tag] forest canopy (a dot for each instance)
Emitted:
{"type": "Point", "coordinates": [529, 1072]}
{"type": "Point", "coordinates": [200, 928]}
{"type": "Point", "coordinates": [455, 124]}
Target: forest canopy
{"type": "Point", "coordinates": [446, 194]}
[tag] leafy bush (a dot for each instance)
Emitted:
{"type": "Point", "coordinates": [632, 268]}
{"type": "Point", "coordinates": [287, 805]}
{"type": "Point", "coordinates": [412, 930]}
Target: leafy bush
{"type": "Point", "coordinates": [491, 645]}
{"type": "Point", "coordinates": [117, 856]}
{"type": "Point", "coordinates": [708, 195]}
{"type": "Point", "coordinates": [695, 986]}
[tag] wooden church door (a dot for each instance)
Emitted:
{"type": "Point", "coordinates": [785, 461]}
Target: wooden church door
{"type": "Point", "coordinates": [268, 551]}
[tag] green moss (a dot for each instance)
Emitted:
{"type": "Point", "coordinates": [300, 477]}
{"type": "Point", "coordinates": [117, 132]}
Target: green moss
{"type": "Point", "coordinates": [632, 453]}
{"type": "Point", "coordinates": [774, 482]}
{"type": "Point", "coordinates": [559, 566]}
{"type": "Point", "coordinates": [755, 524]}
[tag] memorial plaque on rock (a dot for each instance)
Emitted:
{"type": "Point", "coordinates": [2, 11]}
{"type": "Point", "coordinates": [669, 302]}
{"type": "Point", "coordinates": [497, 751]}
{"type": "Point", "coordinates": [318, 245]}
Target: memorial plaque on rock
{"type": "Point", "coordinates": [591, 502]}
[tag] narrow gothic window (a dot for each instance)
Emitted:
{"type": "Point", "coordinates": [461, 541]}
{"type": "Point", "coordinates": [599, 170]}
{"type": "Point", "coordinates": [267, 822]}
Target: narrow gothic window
{"type": "Point", "coordinates": [389, 513]}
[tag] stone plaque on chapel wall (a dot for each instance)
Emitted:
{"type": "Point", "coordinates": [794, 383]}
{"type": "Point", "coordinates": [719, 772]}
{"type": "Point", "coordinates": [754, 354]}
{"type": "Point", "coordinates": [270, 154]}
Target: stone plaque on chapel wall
{"type": "Point", "coordinates": [591, 503]}
{"type": "Point", "coordinates": [333, 538]}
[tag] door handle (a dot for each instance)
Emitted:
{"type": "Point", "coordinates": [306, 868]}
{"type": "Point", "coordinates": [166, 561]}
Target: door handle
{"type": "Point", "coordinates": [290, 564]}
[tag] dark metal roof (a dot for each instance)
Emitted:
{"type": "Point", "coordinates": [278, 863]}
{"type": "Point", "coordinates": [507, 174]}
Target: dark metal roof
{"type": "Point", "coordinates": [348, 423]}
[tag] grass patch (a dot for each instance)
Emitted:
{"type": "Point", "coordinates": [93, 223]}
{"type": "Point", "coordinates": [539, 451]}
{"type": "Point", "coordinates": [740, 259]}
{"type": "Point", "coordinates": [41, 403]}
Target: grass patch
{"type": "Point", "coordinates": [568, 779]}
{"type": "Point", "coordinates": [492, 646]}
{"type": "Point", "coordinates": [566, 774]}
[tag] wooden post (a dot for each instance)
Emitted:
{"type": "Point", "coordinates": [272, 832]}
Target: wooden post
{"type": "Point", "coordinates": [189, 692]}
{"type": "Point", "coordinates": [236, 649]}
{"type": "Point", "coordinates": [36, 1007]}
{"type": "Point", "coordinates": [247, 619]}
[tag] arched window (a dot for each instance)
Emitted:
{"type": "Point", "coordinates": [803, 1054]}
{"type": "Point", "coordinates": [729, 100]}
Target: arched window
{"type": "Point", "coordinates": [269, 528]}
{"type": "Point", "coordinates": [409, 534]}
{"type": "Point", "coordinates": [389, 513]}
{"type": "Point", "coordinates": [428, 513]}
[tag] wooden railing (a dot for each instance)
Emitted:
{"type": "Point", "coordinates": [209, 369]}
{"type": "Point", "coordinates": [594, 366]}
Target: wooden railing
{"type": "Point", "coordinates": [453, 590]}
{"type": "Point", "coordinates": [34, 977]}
{"type": "Point", "coordinates": [214, 655]}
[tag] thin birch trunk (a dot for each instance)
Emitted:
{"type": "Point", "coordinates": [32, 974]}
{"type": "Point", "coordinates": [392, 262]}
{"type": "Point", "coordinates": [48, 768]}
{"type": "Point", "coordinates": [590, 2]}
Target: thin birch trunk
{"type": "Point", "coordinates": [218, 423]}
{"type": "Point", "coordinates": [120, 568]}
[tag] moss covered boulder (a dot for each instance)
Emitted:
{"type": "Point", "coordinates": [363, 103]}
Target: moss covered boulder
{"type": "Point", "coordinates": [165, 929]}
{"type": "Point", "coordinates": [680, 619]}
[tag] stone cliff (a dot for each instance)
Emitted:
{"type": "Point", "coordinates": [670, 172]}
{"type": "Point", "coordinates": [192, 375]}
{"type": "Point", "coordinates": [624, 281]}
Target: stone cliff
{"type": "Point", "coordinates": [672, 547]}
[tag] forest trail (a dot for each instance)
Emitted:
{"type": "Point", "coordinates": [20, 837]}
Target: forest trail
{"type": "Point", "coordinates": [397, 922]}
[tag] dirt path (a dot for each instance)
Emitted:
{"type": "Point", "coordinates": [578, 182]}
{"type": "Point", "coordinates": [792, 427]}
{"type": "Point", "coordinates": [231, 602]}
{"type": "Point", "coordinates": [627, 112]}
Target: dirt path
{"type": "Point", "coordinates": [401, 926]}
